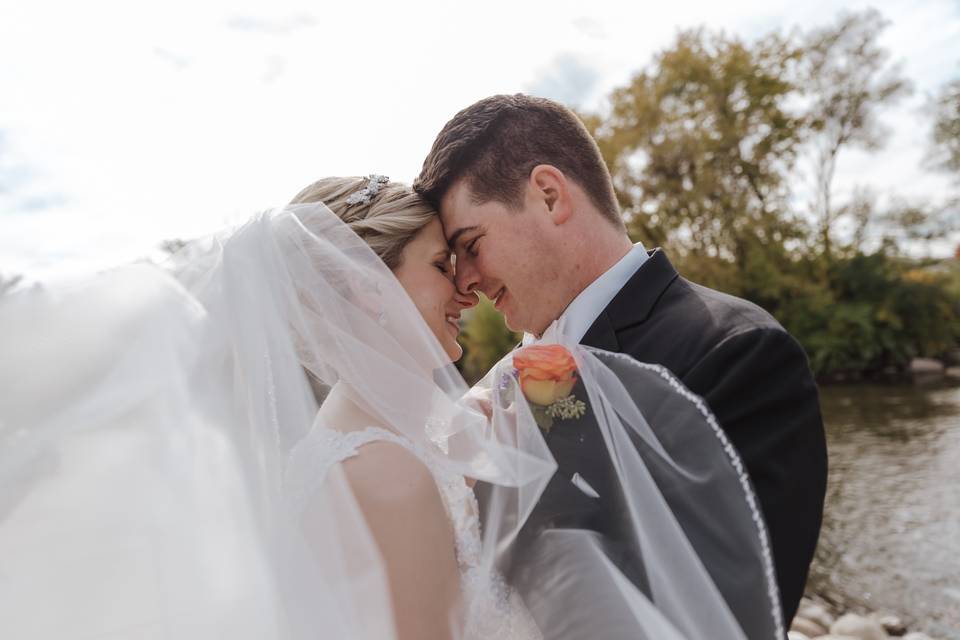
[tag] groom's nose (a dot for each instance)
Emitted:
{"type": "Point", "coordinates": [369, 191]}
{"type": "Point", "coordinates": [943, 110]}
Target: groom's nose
{"type": "Point", "coordinates": [466, 278]}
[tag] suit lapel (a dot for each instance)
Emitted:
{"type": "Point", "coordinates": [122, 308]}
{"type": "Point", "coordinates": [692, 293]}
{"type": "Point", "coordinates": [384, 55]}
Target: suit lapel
{"type": "Point", "coordinates": [601, 334]}
{"type": "Point", "coordinates": [634, 303]}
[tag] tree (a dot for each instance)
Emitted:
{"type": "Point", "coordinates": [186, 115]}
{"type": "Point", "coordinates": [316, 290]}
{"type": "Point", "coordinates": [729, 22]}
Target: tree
{"type": "Point", "coordinates": [946, 129]}
{"type": "Point", "coordinates": [703, 144]}
{"type": "Point", "coordinates": [485, 339]}
{"type": "Point", "coordinates": [918, 223]}
{"type": "Point", "coordinates": [846, 80]}
{"type": "Point", "coordinates": [700, 143]}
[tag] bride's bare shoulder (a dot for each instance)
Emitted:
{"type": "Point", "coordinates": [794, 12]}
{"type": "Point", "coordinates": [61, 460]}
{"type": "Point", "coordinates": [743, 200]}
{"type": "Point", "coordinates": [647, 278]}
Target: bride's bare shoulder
{"type": "Point", "coordinates": [406, 517]}
{"type": "Point", "coordinates": [387, 474]}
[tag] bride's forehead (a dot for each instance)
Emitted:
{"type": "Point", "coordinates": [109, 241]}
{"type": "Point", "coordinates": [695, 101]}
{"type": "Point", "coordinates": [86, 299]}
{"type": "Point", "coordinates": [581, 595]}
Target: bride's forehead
{"type": "Point", "coordinates": [430, 239]}
{"type": "Point", "coordinates": [432, 233]}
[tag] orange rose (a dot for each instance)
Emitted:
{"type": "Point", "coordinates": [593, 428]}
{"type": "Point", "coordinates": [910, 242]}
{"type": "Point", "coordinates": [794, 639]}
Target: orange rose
{"type": "Point", "coordinates": [546, 372]}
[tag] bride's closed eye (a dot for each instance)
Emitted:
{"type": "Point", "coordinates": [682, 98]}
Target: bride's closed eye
{"type": "Point", "coordinates": [444, 264]}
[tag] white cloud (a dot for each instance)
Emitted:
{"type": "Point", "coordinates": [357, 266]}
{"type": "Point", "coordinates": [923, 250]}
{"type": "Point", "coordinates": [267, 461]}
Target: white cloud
{"type": "Point", "coordinates": [569, 79]}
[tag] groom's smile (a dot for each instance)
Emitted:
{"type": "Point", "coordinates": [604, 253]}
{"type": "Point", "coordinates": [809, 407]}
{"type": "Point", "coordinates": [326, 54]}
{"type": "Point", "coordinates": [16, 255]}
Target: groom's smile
{"type": "Point", "coordinates": [499, 299]}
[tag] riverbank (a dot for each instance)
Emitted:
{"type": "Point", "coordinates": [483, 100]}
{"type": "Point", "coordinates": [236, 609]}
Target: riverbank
{"type": "Point", "coordinates": [819, 619]}
{"type": "Point", "coordinates": [890, 542]}
{"type": "Point", "coordinates": [922, 370]}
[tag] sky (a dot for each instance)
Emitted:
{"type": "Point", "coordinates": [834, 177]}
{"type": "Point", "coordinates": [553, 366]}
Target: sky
{"type": "Point", "coordinates": [126, 123]}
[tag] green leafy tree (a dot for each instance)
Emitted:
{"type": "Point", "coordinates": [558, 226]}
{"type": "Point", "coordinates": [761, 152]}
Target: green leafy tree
{"type": "Point", "coordinates": [946, 128]}
{"type": "Point", "coordinates": [700, 143]}
{"type": "Point", "coordinates": [878, 311]}
{"type": "Point", "coordinates": [846, 80]}
{"type": "Point", "coordinates": [703, 146]}
{"type": "Point", "coordinates": [485, 340]}
{"type": "Point", "coordinates": [918, 223]}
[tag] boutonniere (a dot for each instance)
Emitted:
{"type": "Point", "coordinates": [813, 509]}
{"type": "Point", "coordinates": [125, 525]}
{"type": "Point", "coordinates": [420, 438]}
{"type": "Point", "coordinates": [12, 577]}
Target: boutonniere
{"type": "Point", "coordinates": [547, 375]}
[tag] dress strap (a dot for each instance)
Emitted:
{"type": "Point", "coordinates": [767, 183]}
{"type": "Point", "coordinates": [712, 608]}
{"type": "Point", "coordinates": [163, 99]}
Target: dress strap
{"type": "Point", "coordinates": [356, 439]}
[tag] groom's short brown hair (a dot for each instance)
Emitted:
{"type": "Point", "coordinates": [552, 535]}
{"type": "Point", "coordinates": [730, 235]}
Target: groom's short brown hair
{"type": "Point", "coordinates": [495, 143]}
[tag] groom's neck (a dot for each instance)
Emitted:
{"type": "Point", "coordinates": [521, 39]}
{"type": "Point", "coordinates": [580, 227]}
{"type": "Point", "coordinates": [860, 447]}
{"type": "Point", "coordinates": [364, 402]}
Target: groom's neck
{"type": "Point", "coordinates": [588, 255]}
{"type": "Point", "coordinates": [593, 254]}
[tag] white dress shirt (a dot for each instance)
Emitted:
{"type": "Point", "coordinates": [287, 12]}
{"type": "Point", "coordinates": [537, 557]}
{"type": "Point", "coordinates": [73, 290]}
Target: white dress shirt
{"type": "Point", "coordinates": [581, 313]}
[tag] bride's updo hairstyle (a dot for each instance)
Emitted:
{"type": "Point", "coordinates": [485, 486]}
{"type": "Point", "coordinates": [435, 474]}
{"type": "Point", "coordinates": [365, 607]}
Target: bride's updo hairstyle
{"type": "Point", "coordinates": [386, 220]}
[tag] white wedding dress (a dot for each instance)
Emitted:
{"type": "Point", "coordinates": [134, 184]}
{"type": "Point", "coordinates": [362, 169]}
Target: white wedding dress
{"type": "Point", "coordinates": [495, 611]}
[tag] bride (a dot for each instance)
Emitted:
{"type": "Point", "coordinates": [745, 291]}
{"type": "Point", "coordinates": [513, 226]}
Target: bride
{"type": "Point", "coordinates": [267, 439]}
{"type": "Point", "coordinates": [423, 517]}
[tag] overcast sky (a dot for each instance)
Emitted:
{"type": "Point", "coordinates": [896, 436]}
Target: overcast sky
{"type": "Point", "coordinates": [123, 124]}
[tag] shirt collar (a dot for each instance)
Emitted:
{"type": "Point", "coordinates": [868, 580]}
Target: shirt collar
{"type": "Point", "coordinates": [576, 319]}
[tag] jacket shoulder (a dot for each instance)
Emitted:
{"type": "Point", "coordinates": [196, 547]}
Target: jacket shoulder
{"type": "Point", "coordinates": [719, 314]}
{"type": "Point", "coordinates": [689, 321]}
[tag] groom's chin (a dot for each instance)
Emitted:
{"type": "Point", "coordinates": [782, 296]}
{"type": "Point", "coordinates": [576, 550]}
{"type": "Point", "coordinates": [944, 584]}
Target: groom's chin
{"type": "Point", "coordinates": [512, 323]}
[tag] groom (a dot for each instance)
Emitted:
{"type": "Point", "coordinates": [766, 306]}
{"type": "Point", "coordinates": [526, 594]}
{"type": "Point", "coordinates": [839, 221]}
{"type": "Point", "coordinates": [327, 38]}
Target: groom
{"type": "Point", "coordinates": [528, 206]}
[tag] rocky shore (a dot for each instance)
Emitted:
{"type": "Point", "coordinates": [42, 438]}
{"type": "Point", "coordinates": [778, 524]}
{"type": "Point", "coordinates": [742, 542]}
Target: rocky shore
{"type": "Point", "coordinates": [923, 367]}
{"type": "Point", "coordinates": [818, 620]}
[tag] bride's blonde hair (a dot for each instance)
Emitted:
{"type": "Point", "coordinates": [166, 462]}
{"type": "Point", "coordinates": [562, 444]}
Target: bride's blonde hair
{"type": "Point", "coordinates": [387, 221]}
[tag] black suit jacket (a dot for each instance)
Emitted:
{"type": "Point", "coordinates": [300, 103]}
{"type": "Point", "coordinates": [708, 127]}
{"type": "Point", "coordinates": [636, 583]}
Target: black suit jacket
{"type": "Point", "coordinates": [757, 381]}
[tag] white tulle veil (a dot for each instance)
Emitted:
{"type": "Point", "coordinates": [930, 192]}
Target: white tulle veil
{"type": "Point", "coordinates": [157, 478]}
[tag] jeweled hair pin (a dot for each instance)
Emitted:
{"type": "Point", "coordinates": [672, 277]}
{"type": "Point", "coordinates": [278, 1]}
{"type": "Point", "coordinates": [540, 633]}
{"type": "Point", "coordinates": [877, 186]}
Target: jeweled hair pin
{"type": "Point", "coordinates": [363, 196]}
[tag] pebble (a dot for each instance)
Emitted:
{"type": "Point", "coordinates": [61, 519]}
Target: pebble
{"type": "Point", "coordinates": [808, 627]}
{"type": "Point", "coordinates": [925, 365]}
{"type": "Point", "coordinates": [816, 613]}
{"type": "Point", "coordinates": [858, 627]}
{"type": "Point", "coordinates": [892, 625]}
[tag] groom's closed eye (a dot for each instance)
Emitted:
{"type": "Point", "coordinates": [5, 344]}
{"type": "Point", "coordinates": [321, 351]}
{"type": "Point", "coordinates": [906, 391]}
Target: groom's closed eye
{"type": "Point", "coordinates": [471, 246]}
{"type": "Point", "coordinates": [461, 237]}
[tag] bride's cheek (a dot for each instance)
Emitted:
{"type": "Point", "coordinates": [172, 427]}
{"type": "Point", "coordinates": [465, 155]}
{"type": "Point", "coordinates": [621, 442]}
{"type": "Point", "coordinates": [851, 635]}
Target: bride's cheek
{"type": "Point", "coordinates": [450, 289]}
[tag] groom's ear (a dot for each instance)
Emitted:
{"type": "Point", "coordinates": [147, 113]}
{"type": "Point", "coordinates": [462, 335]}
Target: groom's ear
{"type": "Point", "coordinates": [551, 191]}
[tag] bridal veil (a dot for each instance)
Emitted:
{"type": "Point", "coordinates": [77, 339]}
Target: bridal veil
{"type": "Point", "coordinates": [154, 480]}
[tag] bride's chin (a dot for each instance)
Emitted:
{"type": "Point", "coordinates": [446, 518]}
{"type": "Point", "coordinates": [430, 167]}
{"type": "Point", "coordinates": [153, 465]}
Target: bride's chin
{"type": "Point", "coordinates": [456, 355]}
{"type": "Point", "coordinates": [453, 350]}
{"type": "Point", "coordinates": [451, 347]}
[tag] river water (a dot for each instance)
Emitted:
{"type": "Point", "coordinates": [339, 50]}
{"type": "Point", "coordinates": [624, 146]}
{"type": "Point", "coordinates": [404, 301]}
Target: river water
{"type": "Point", "coordinates": [891, 533]}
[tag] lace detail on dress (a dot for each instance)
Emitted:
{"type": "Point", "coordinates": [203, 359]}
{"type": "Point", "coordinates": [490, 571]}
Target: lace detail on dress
{"type": "Point", "coordinates": [494, 610]}
{"type": "Point", "coordinates": [312, 458]}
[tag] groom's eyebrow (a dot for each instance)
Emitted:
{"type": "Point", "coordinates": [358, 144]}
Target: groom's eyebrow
{"type": "Point", "coordinates": [459, 232]}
